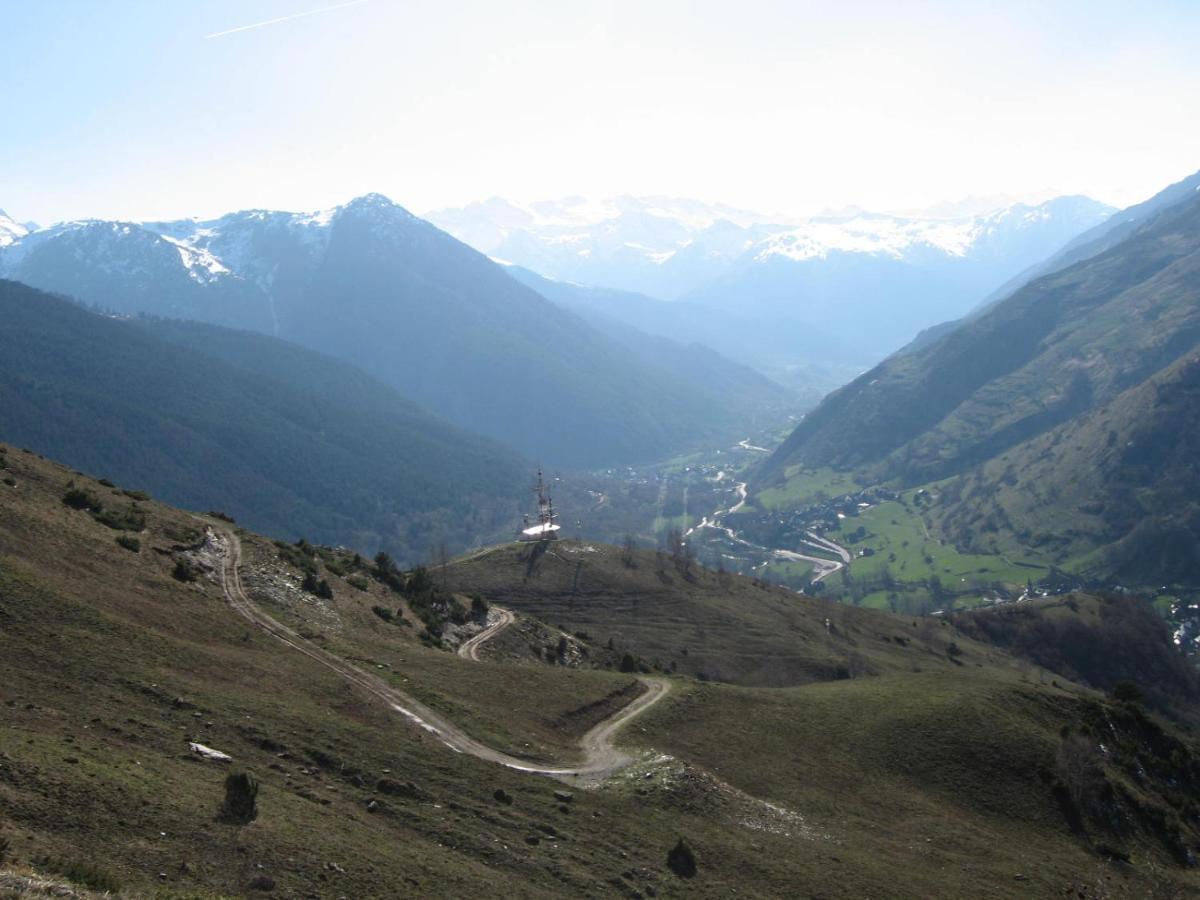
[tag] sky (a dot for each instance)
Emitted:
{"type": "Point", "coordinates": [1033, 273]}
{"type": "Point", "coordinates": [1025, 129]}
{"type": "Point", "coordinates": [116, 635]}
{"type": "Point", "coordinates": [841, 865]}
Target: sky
{"type": "Point", "coordinates": [140, 109]}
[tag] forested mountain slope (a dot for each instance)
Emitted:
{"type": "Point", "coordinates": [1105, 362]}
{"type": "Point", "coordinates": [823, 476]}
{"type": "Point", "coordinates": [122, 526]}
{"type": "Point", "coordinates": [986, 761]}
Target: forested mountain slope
{"type": "Point", "coordinates": [290, 441]}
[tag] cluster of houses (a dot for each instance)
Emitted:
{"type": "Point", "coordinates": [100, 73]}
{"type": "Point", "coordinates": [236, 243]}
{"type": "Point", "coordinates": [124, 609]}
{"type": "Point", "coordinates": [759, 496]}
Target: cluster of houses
{"type": "Point", "coordinates": [827, 515]}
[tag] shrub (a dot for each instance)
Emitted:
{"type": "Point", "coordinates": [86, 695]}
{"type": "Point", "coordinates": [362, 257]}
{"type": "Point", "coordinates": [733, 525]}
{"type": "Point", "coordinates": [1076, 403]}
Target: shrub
{"type": "Point", "coordinates": [11, 482]}
{"type": "Point", "coordinates": [130, 519]}
{"type": "Point", "coordinates": [383, 612]}
{"type": "Point", "coordinates": [136, 495]}
{"type": "Point", "coordinates": [224, 517]}
{"type": "Point", "coordinates": [628, 663]}
{"type": "Point", "coordinates": [357, 581]}
{"type": "Point", "coordinates": [681, 860]}
{"type": "Point", "coordinates": [479, 607]}
{"type": "Point", "coordinates": [5, 846]}
{"type": "Point", "coordinates": [952, 649]}
{"type": "Point", "coordinates": [1127, 692]}
{"type": "Point", "coordinates": [319, 588]}
{"type": "Point", "coordinates": [241, 799]}
{"type": "Point", "coordinates": [80, 499]}
{"type": "Point", "coordinates": [184, 571]}
{"type": "Point", "coordinates": [129, 543]}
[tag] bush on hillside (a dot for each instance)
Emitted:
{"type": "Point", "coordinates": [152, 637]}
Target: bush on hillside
{"type": "Point", "coordinates": [184, 571]}
{"type": "Point", "coordinates": [241, 799]}
{"type": "Point", "coordinates": [681, 860]}
{"type": "Point", "coordinates": [130, 543]}
{"type": "Point", "coordinates": [129, 519]}
{"type": "Point", "coordinates": [76, 498]}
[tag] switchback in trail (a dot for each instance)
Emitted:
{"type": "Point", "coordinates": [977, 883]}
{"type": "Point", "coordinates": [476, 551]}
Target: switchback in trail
{"type": "Point", "coordinates": [601, 758]}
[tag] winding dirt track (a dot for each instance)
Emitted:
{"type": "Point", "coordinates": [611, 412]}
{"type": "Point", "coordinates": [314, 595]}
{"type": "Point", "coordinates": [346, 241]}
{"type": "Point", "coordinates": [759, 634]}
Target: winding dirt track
{"type": "Point", "coordinates": [601, 757]}
{"type": "Point", "coordinates": [470, 649]}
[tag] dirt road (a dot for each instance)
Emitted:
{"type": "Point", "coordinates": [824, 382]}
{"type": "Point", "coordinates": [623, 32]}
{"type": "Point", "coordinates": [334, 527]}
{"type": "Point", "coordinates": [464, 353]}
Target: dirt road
{"type": "Point", "coordinates": [470, 649]}
{"type": "Point", "coordinates": [601, 757]}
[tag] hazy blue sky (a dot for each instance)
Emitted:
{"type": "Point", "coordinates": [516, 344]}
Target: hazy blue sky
{"type": "Point", "coordinates": [130, 109]}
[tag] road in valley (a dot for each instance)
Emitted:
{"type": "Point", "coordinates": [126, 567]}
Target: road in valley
{"type": "Point", "coordinates": [822, 567]}
{"type": "Point", "coordinates": [601, 758]}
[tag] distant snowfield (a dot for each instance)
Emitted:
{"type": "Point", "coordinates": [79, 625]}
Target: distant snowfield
{"type": "Point", "coordinates": [669, 246]}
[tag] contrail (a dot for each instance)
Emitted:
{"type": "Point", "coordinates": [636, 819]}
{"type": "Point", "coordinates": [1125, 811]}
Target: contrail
{"type": "Point", "coordinates": [311, 12]}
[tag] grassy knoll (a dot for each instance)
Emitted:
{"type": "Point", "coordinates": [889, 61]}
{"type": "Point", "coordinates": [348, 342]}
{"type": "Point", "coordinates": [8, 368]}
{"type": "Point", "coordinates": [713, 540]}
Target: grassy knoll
{"type": "Point", "coordinates": [701, 623]}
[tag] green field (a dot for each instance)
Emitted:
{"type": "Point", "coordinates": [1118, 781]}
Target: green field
{"type": "Point", "coordinates": [804, 486]}
{"type": "Point", "coordinates": [909, 556]}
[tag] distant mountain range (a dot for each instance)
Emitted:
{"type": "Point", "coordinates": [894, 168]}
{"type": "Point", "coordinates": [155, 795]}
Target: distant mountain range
{"type": "Point", "coordinates": [373, 285]}
{"type": "Point", "coordinates": [845, 288]}
{"type": "Point", "coordinates": [285, 439]}
{"type": "Point", "coordinates": [1064, 415]}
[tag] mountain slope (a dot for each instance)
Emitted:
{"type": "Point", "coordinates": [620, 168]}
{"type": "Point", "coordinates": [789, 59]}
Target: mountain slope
{"type": "Point", "coordinates": [873, 282]}
{"type": "Point", "coordinates": [810, 366]}
{"type": "Point", "coordinates": [377, 287]}
{"type": "Point", "coordinates": [1059, 346]}
{"type": "Point", "coordinates": [729, 384]}
{"type": "Point", "coordinates": [1101, 237]}
{"type": "Point", "coordinates": [113, 668]}
{"type": "Point", "coordinates": [292, 442]}
{"type": "Point", "coordinates": [837, 289]}
{"type": "Point", "coordinates": [1118, 487]}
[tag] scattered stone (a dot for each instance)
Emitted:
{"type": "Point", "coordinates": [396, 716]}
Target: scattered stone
{"type": "Point", "coordinates": [533, 839]}
{"type": "Point", "coordinates": [205, 752]}
{"type": "Point", "coordinates": [264, 883]}
{"type": "Point", "coordinates": [396, 789]}
{"type": "Point", "coordinates": [372, 805]}
{"type": "Point", "coordinates": [564, 796]}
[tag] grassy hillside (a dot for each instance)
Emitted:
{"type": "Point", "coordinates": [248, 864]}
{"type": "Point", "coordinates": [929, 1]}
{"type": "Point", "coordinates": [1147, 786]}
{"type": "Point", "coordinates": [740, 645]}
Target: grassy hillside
{"type": "Point", "coordinates": [1052, 428]}
{"type": "Point", "coordinates": [291, 442]}
{"type": "Point", "coordinates": [701, 623]}
{"type": "Point", "coordinates": [955, 770]}
{"type": "Point", "coordinates": [1064, 344]}
{"type": "Point", "coordinates": [1115, 492]}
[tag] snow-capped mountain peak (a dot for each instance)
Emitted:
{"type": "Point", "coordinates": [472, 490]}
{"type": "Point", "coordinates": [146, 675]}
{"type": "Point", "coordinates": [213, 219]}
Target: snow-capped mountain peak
{"type": "Point", "coordinates": [10, 231]}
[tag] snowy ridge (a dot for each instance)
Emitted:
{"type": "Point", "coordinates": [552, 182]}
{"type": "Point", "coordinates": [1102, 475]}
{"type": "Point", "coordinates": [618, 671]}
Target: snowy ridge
{"type": "Point", "coordinates": [10, 231]}
{"type": "Point", "coordinates": [667, 247]}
